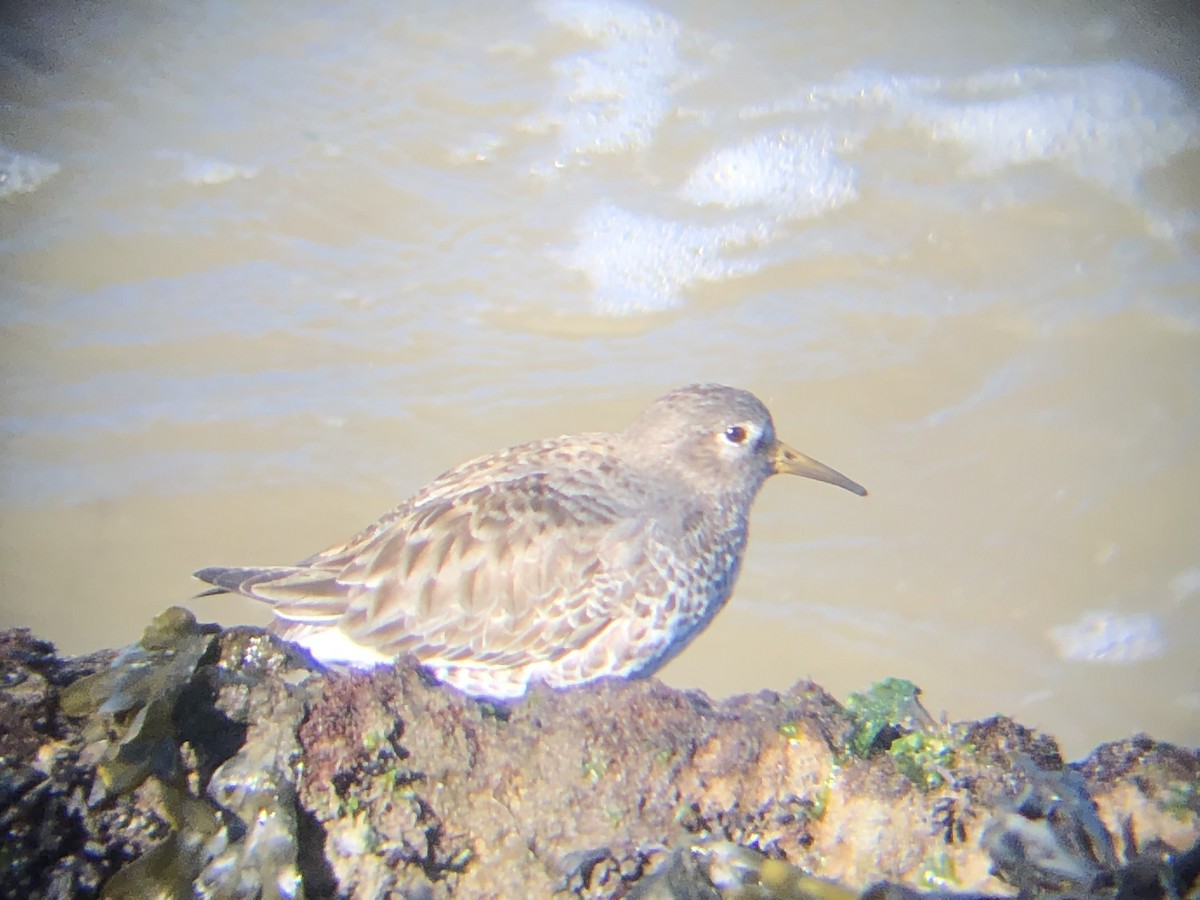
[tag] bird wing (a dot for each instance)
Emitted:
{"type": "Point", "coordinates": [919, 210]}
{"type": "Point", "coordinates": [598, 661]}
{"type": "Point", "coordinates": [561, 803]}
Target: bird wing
{"type": "Point", "coordinates": [507, 572]}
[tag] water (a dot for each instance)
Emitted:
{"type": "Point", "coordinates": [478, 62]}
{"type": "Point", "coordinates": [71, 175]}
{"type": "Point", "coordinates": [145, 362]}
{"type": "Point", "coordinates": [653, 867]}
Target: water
{"type": "Point", "coordinates": [268, 268]}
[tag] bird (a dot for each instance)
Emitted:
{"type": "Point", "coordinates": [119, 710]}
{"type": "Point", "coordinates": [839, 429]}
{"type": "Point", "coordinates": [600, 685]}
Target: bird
{"type": "Point", "coordinates": [559, 561]}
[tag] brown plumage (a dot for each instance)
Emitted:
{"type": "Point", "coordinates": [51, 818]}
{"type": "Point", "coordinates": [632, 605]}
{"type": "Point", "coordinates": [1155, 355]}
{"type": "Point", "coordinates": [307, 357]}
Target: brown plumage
{"type": "Point", "coordinates": [563, 560]}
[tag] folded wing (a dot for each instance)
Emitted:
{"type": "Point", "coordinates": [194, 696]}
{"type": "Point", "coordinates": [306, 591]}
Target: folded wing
{"type": "Point", "coordinates": [507, 573]}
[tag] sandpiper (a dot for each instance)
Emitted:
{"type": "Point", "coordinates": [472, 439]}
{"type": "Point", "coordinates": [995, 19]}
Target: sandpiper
{"type": "Point", "coordinates": [560, 561]}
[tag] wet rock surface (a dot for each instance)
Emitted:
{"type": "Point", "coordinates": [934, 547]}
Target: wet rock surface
{"type": "Point", "coordinates": [213, 763]}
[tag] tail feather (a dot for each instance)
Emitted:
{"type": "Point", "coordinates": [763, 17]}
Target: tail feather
{"type": "Point", "coordinates": [298, 592]}
{"type": "Point", "coordinates": [240, 581]}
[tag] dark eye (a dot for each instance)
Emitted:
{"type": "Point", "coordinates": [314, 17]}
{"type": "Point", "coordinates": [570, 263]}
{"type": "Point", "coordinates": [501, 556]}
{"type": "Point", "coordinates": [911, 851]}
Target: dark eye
{"type": "Point", "coordinates": [735, 434]}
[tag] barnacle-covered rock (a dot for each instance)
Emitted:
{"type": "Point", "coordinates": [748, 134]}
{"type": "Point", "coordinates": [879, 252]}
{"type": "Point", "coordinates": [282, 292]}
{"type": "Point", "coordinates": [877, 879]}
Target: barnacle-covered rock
{"type": "Point", "coordinates": [713, 870]}
{"type": "Point", "coordinates": [218, 763]}
{"type": "Point", "coordinates": [1052, 839]}
{"type": "Point", "coordinates": [168, 769]}
{"type": "Point", "coordinates": [265, 687]}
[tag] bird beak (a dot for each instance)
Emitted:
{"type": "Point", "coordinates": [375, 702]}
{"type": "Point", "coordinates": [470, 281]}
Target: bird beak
{"type": "Point", "coordinates": [786, 461]}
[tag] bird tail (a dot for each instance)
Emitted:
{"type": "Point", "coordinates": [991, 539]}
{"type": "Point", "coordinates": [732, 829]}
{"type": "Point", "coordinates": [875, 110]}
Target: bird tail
{"type": "Point", "coordinates": [296, 592]}
{"type": "Point", "coordinates": [240, 581]}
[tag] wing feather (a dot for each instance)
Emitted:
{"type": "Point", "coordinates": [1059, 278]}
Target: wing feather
{"type": "Point", "coordinates": [505, 581]}
{"type": "Point", "coordinates": [496, 563]}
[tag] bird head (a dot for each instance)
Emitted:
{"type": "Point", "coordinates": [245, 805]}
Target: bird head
{"type": "Point", "coordinates": [721, 439]}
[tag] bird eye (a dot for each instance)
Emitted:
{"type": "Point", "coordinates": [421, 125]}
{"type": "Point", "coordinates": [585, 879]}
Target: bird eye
{"type": "Point", "coordinates": [735, 434]}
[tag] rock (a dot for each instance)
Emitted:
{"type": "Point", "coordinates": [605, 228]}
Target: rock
{"type": "Point", "coordinates": [211, 763]}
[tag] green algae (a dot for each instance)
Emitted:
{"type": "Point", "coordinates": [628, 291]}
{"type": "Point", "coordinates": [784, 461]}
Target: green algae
{"type": "Point", "coordinates": [881, 712]}
{"type": "Point", "coordinates": [937, 872]}
{"type": "Point", "coordinates": [789, 730]}
{"type": "Point", "coordinates": [889, 717]}
{"type": "Point", "coordinates": [594, 769]}
{"type": "Point", "coordinates": [1182, 799]}
{"type": "Point", "coordinates": [923, 757]}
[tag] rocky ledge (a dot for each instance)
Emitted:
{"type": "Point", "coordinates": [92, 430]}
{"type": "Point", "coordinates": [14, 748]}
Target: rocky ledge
{"type": "Point", "coordinates": [202, 762]}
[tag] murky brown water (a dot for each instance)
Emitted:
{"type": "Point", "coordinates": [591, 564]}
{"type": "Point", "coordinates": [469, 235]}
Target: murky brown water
{"type": "Point", "coordinates": [267, 268]}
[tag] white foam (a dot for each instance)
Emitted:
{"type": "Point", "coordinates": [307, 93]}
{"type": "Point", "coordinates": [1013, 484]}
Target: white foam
{"type": "Point", "coordinates": [1185, 587]}
{"type": "Point", "coordinates": [204, 170]}
{"type": "Point", "coordinates": [642, 263]}
{"type": "Point", "coordinates": [613, 98]}
{"type": "Point", "coordinates": [1106, 637]}
{"type": "Point", "coordinates": [1107, 123]}
{"type": "Point", "coordinates": [21, 173]}
{"type": "Point", "coordinates": [793, 172]}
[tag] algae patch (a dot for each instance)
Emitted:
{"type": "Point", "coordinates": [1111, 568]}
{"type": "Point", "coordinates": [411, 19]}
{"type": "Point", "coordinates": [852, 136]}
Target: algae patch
{"type": "Point", "coordinates": [889, 717]}
{"type": "Point", "coordinates": [205, 733]}
{"type": "Point", "coordinates": [131, 705]}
